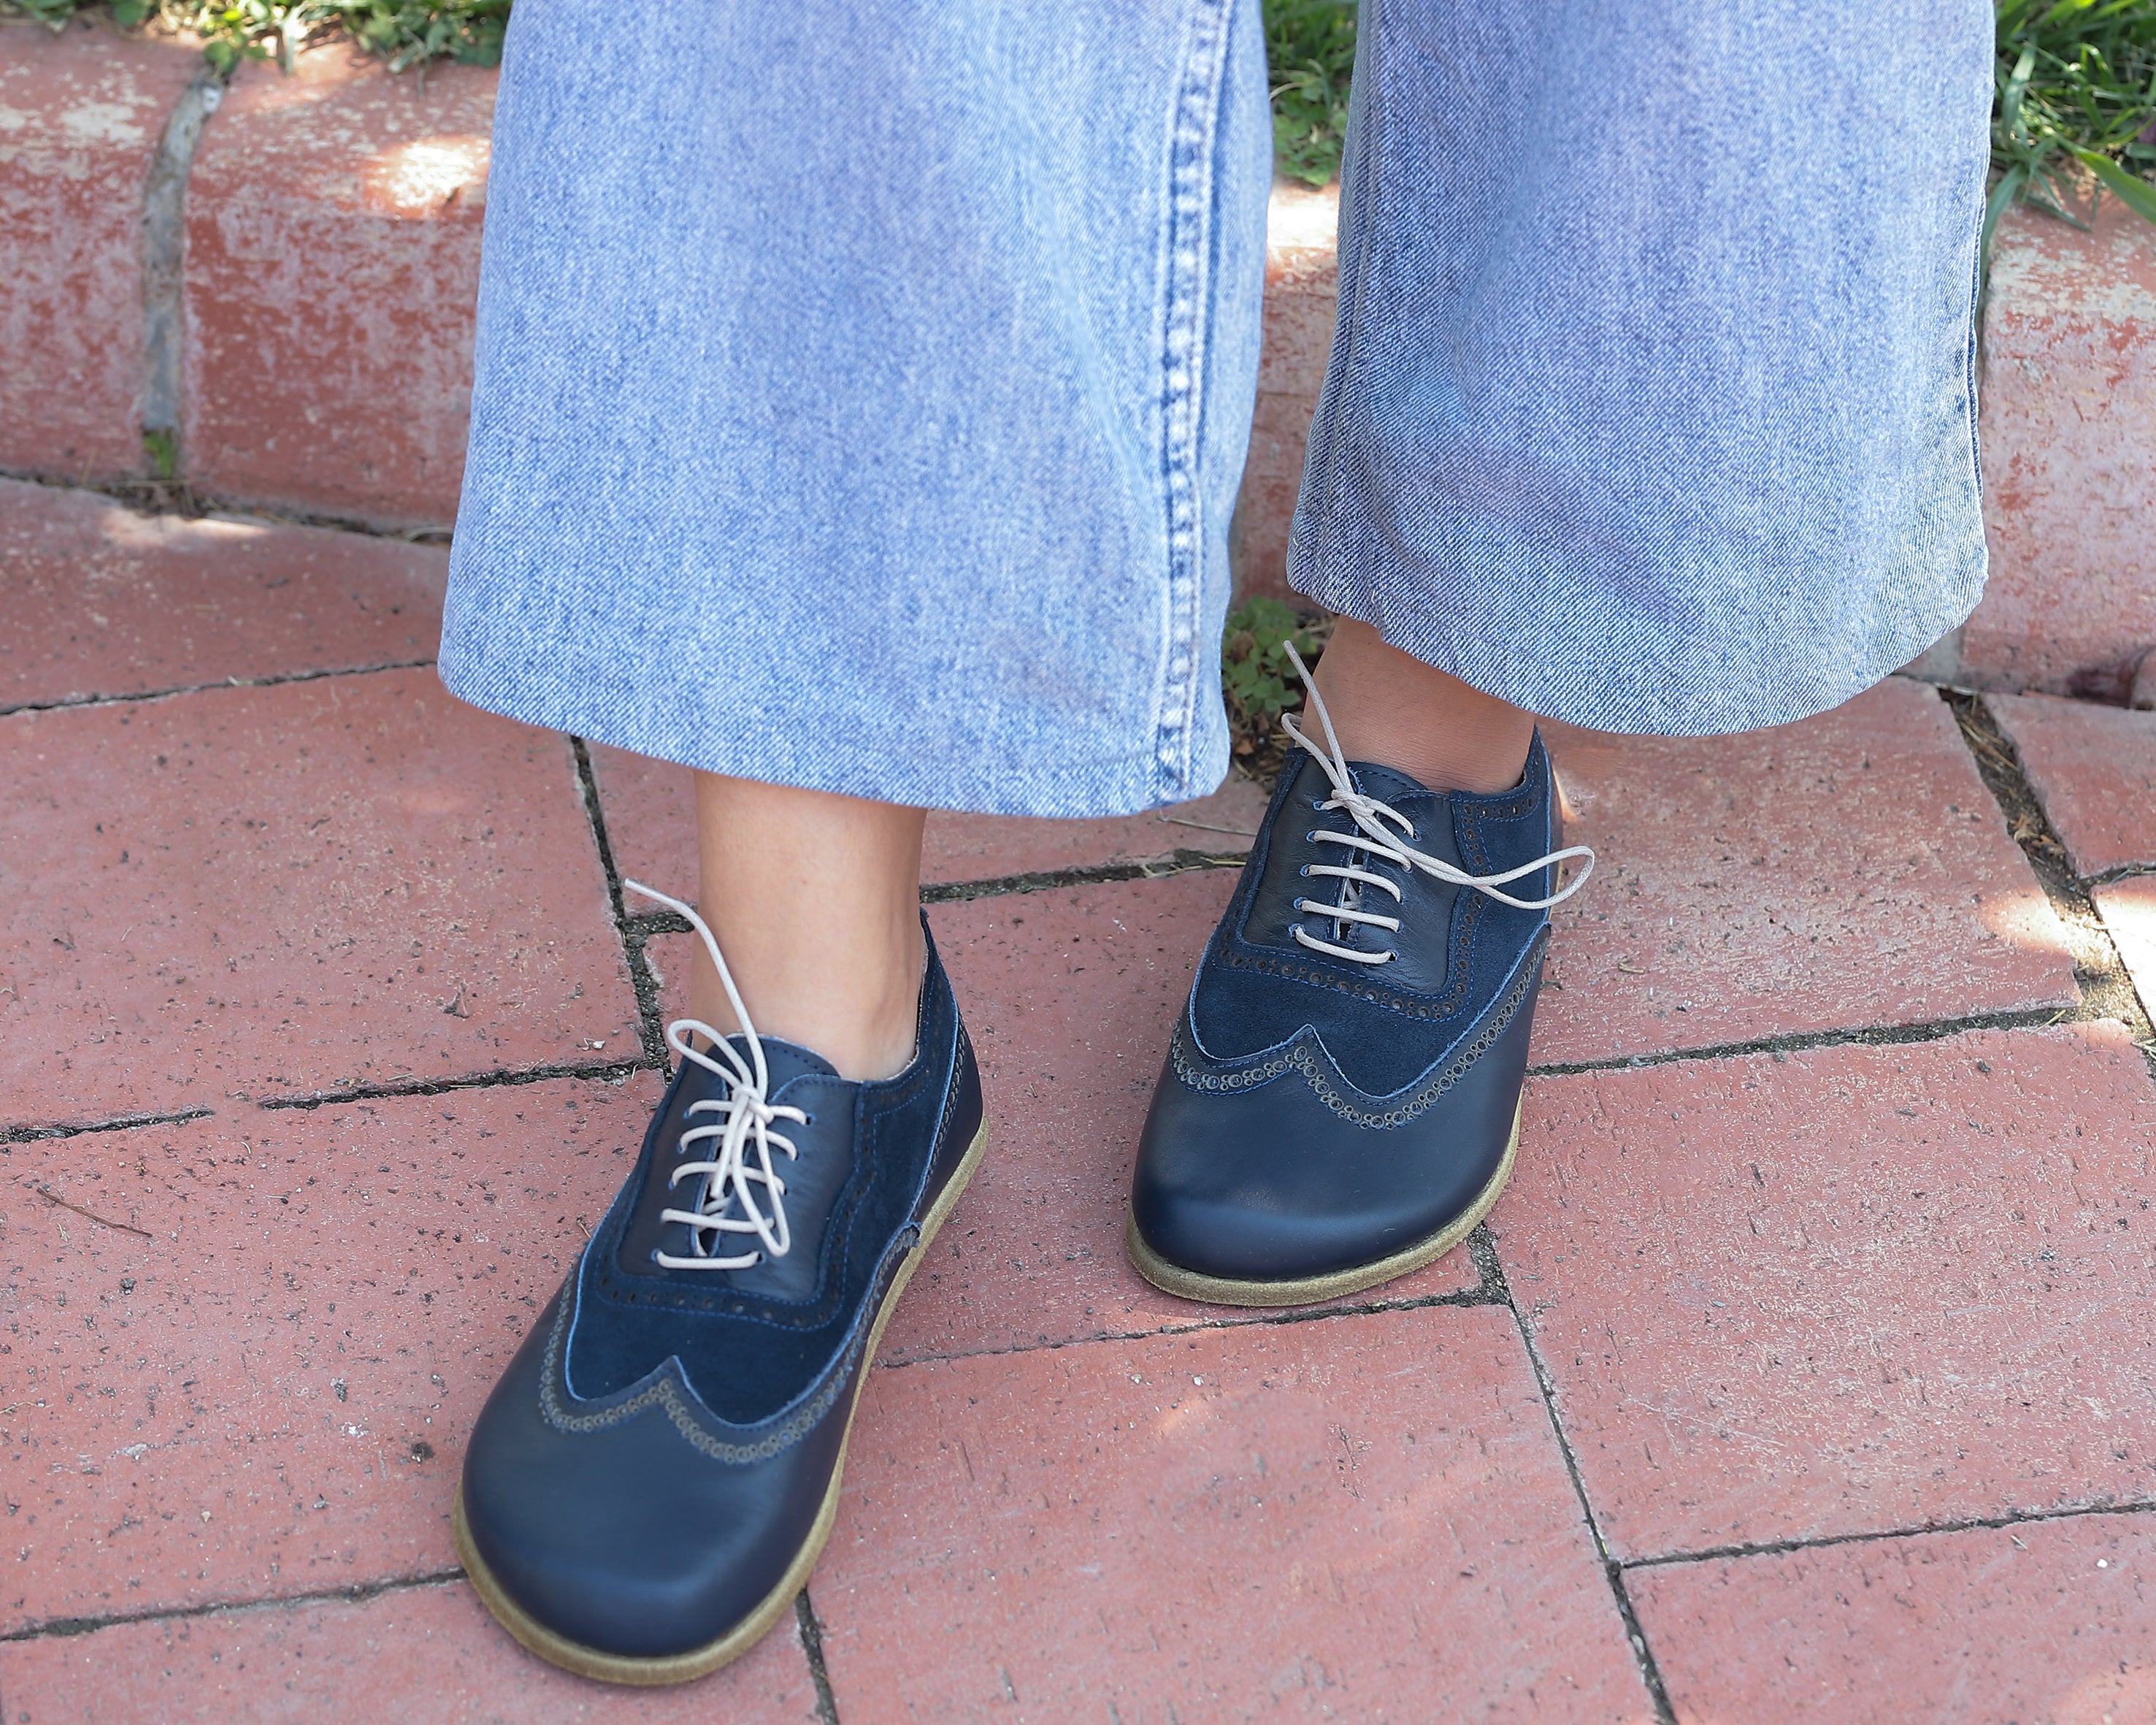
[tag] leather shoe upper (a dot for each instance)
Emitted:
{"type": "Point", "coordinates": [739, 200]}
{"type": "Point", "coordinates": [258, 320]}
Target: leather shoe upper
{"type": "Point", "coordinates": [1319, 1111]}
{"type": "Point", "coordinates": [655, 1455]}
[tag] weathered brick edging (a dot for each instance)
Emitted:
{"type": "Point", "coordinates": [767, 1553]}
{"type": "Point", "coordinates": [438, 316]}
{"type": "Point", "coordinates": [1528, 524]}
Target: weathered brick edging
{"type": "Point", "coordinates": [331, 245]}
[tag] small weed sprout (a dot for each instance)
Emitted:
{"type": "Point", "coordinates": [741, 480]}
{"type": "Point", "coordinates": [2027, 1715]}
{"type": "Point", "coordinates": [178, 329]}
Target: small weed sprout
{"type": "Point", "coordinates": [1309, 48]}
{"type": "Point", "coordinates": [1260, 682]}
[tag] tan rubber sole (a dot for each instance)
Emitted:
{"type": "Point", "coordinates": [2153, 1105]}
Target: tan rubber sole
{"type": "Point", "coordinates": [1308, 1290]}
{"type": "Point", "coordinates": [702, 1662]}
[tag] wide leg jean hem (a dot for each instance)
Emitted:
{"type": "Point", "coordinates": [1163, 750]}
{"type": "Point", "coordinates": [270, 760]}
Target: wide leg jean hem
{"type": "Point", "coordinates": [1652, 403]}
{"type": "Point", "coordinates": [880, 766]}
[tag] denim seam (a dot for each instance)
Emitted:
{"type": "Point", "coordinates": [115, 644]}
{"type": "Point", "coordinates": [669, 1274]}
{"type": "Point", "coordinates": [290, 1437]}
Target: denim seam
{"type": "Point", "coordinates": [1138, 769]}
{"type": "Point", "coordinates": [1970, 403]}
{"type": "Point", "coordinates": [1299, 1058]}
{"type": "Point", "coordinates": [1191, 144]}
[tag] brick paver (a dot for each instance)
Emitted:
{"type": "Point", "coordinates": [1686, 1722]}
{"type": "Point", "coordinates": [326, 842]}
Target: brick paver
{"type": "Point", "coordinates": [651, 824]}
{"type": "Point", "coordinates": [2051, 1622]}
{"type": "Point", "coordinates": [85, 110]}
{"type": "Point", "coordinates": [1847, 872]}
{"type": "Point", "coordinates": [359, 194]}
{"type": "Point", "coordinates": [2128, 909]}
{"type": "Point", "coordinates": [292, 890]}
{"type": "Point", "coordinates": [2094, 769]}
{"type": "Point", "coordinates": [102, 600]}
{"type": "Point", "coordinates": [254, 1378]}
{"type": "Point", "coordinates": [1363, 1518]}
{"type": "Point", "coordinates": [2069, 419]}
{"type": "Point", "coordinates": [1846, 1288]}
{"type": "Point", "coordinates": [419, 1655]}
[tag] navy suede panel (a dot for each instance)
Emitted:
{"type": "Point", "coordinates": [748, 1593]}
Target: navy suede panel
{"type": "Point", "coordinates": [1384, 1025]}
{"type": "Point", "coordinates": [751, 1340]}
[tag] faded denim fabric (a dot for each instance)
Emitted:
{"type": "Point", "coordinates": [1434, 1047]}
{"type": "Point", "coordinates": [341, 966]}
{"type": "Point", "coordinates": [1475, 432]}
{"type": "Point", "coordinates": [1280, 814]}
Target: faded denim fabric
{"type": "Point", "coordinates": [1652, 404]}
{"type": "Point", "coordinates": [862, 391]}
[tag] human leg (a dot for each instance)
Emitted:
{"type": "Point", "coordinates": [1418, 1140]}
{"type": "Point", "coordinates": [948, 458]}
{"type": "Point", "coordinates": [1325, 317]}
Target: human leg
{"type": "Point", "coordinates": [815, 899]}
{"type": "Point", "coordinates": [867, 441]}
{"type": "Point", "coordinates": [1650, 408]}
{"type": "Point", "coordinates": [1441, 730]}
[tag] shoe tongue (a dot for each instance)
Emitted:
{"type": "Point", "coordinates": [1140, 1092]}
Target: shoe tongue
{"type": "Point", "coordinates": [783, 1061]}
{"type": "Point", "coordinates": [1430, 809]}
{"type": "Point", "coordinates": [1386, 784]}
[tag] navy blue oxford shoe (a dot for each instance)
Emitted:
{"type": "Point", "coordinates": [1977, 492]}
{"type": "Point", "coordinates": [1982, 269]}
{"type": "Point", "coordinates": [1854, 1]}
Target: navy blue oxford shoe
{"type": "Point", "coordinates": [1341, 1100]}
{"type": "Point", "coordinates": [650, 1482]}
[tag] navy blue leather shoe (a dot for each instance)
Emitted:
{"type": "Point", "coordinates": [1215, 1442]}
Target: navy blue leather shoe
{"type": "Point", "coordinates": [1341, 1100]}
{"type": "Point", "coordinates": [650, 1482]}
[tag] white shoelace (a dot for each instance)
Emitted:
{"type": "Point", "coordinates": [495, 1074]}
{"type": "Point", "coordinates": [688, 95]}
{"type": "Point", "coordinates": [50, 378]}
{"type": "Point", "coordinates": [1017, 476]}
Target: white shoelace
{"type": "Point", "coordinates": [741, 1166]}
{"type": "Point", "coordinates": [1372, 839]}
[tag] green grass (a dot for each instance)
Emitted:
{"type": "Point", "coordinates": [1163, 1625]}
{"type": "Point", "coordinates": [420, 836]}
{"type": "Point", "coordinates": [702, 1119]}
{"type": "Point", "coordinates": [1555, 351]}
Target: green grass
{"type": "Point", "coordinates": [405, 33]}
{"type": "Point", "coordinates": [1257, 677]}
{"type": "Point", "coordinates": [1310, 46]}
{"type": "Point", "coordinates": [2076, 106]}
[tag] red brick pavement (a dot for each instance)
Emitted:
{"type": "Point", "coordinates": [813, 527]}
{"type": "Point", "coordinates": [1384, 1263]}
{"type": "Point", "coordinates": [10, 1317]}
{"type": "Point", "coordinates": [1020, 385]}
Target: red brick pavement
{"type": "Point", "coordinates": [2095, 768]}
{"type": "Point", "coordinates": [102, 601]}
{"type": "Point", "coordinates": [2047, 1621]}
{"type": "Point", "coordinates": [1827, 1360]}
{"type": "Point", "coordinates": [358, 194]}
{"type": "Point", "coordinates": [1346, 1520]}
{"type": "Point", "coordinates": [310, 887]}
{"type": "Point", "coordinates": [1845, 1290]}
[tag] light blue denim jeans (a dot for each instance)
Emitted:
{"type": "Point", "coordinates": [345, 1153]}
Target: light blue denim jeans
{"type": "Point", "coordinates": [863, 391]}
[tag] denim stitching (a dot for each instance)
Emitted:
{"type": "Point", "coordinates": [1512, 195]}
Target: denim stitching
{"type": "Point", "coordinates": [1318, 498]}
{"type": "Point", "coordinates": [1190, 201]}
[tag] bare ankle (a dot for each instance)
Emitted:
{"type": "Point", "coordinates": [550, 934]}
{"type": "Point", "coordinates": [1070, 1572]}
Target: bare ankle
{"type": "Point", "coordinates": [814, 900]}
{"type": "Point", "coordinates": [1391, 709]}
{"type": "Point", "coordinates": [865, 1028]}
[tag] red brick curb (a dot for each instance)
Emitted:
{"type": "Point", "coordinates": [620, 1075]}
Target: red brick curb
{"type": "Point", "coordinates": [331, 241]}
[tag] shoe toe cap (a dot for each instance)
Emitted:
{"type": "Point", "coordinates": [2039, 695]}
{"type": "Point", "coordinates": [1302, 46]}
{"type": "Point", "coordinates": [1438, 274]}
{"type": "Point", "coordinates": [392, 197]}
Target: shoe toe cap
{"type": "Point", "coordinates": [628, 1540]}
{"type": "Point", "coordinates": [1298, 1175]}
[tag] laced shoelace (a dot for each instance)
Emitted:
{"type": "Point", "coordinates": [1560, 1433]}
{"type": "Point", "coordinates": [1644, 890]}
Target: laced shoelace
{"type": "Point", "coordinates": [1382, 832]}
{"type": "Point", "coordinates": [741, 1167]}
